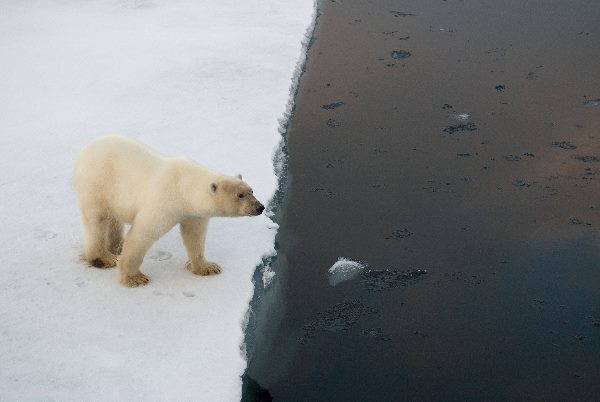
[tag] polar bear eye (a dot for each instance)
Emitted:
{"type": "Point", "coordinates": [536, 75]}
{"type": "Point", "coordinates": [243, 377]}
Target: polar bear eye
{"type": "Point", "coordinates": [240, 195]}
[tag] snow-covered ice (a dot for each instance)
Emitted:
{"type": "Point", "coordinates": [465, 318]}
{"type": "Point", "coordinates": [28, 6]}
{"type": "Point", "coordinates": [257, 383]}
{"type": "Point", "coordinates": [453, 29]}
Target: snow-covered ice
{"type": "Point", "coordinates": [344, 270]}
{"type": "Point", "coordinates": [205, 79]}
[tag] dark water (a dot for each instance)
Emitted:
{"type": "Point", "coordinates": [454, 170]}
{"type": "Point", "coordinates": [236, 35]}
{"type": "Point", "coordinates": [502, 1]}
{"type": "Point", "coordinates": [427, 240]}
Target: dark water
{"type": "Point", "coordinates": [454, 147]}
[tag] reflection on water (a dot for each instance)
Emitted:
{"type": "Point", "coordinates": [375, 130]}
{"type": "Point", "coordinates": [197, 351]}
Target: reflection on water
{"type": "Point", "coordinates": [482, 233]}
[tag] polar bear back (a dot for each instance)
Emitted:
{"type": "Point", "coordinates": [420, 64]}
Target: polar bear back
{"type": "Point", "coordinates": [119, 174]}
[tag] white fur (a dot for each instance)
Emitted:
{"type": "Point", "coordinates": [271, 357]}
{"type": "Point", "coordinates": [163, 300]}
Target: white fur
{"type": "Point", "coordinates": [119, 180]}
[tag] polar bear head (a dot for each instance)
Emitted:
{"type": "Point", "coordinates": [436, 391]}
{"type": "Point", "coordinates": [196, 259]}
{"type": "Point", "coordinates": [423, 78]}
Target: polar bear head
{"type": "Point", "coordinates": [233, 197]}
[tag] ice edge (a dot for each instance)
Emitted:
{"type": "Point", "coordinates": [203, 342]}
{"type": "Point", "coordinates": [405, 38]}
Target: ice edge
{"type": "Point", "coordinates": [280, 160]}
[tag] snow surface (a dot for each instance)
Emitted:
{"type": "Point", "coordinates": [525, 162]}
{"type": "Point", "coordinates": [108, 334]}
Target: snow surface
{"type": "Point", "coordinates": [205, 79]}
{"type": "Point", "coordinates": [344, 270]}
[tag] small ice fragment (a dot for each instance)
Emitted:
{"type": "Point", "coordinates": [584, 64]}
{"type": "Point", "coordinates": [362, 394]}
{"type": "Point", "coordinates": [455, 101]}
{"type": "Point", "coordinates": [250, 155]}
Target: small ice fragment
{"type": "Point", "coordinates": [460, 116]}
{"type": "Point", "coordinates": [344, 270]}
{"type": "Point", "coordinates": [564, 145]}
{"type": "Point", "coordinates": [470, 126]}
{"type": "Point", "coordinates": [400, 54]}
{"type": "Point", "coordinates": [592, 102]}
{"type": "Point", "coordinates": [401, 14]}
{"type": "Point", "coordinates": [267, 276]}
{"type": "Point", "coordinates": [333, 105]}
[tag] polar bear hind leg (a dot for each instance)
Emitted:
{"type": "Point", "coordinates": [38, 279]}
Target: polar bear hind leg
{"type": "Point", "coordinates": [96, 226]}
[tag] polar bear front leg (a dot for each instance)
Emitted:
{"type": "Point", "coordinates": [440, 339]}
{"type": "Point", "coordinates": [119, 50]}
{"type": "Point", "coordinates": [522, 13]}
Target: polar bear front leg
{"type": "Point", "coordinates": [139, 239]}
{"type": "Point", "coordinates": [193, 233]}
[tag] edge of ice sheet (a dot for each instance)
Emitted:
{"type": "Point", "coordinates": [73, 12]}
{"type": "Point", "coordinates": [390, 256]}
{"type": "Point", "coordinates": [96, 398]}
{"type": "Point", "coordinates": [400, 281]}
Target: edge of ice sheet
{"type": "Point", "coordinates": [280, 158]}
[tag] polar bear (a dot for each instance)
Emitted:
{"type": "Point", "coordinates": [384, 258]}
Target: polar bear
{"type": "Point", "coordinates": [119, 180]}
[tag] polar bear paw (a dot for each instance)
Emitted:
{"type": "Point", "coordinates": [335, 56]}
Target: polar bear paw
{"type": "Point", "coordinates": [106, 261]}
{"type": "Point", "coordinates": [204, 268]}
{"type": "Point", "coordinates": [133, 281]}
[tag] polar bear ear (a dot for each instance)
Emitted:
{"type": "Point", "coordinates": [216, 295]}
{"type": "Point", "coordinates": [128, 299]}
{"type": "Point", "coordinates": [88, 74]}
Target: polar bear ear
{"type": "Point", "coordinates": [239, 176]}
{"type": "Point", "coordinates": [213, 187]}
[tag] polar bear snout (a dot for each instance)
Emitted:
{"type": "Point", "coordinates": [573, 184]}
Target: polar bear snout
{"type": "Point", "coordinates": [253, 207]}
{"type": "Point", "coordinates": [259, 209]}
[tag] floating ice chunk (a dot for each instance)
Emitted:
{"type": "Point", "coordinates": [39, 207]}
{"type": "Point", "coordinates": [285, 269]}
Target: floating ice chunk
{"type": "Point", "coordinates": [400, 54]}
{"type": "Point", "coordinates": [592, 102]}
{"type": "Point", "coordinates": [267, 276]}
{"type": "Point", "coordinates": [460, 116]}
{"type": "Point", "coordinates": [344, 270]}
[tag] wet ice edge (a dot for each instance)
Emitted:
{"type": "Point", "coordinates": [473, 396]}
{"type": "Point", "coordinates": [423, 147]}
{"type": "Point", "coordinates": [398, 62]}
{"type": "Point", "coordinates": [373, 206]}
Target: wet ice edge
{"type": "Point", "coordinates": [264, 275]}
